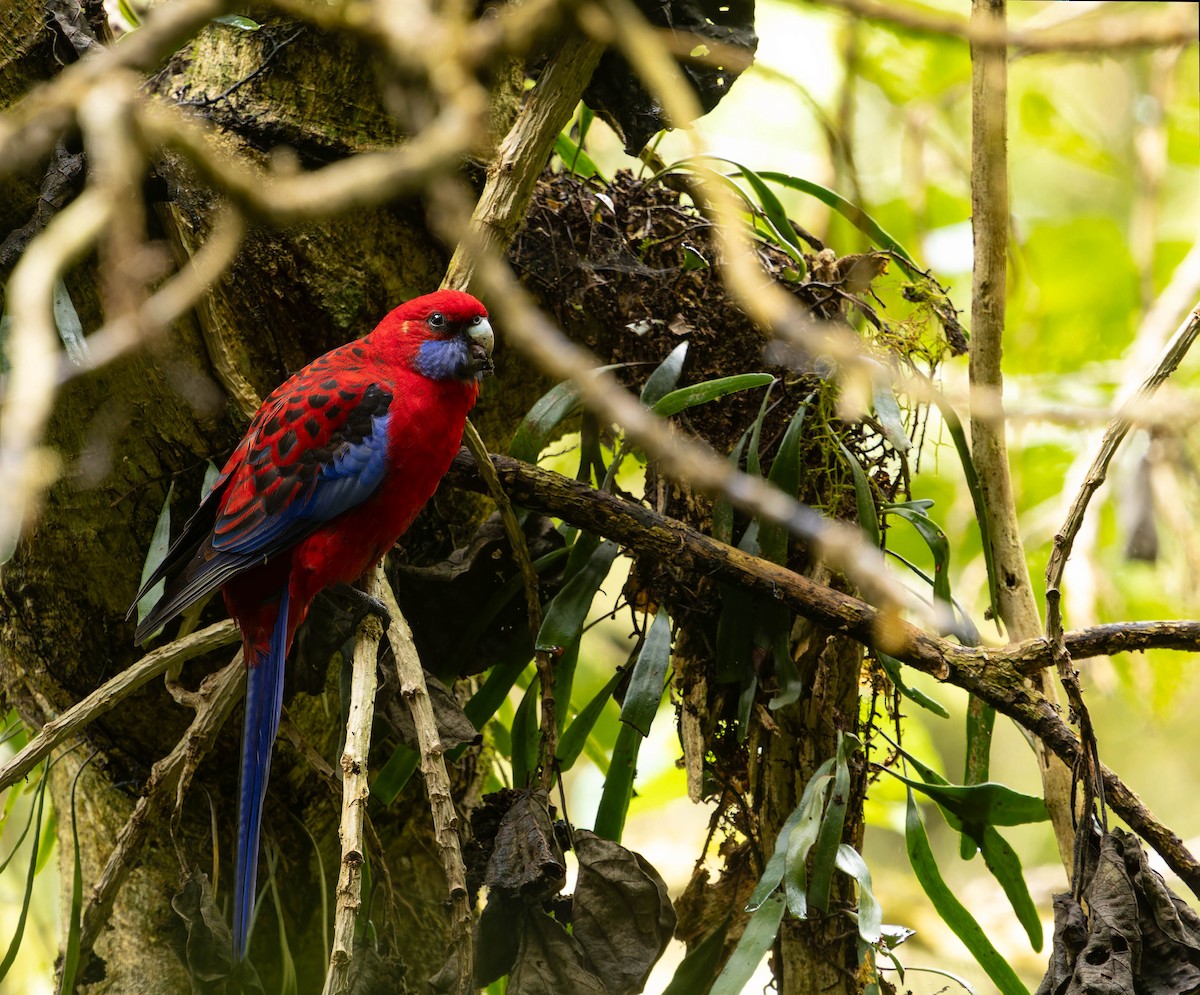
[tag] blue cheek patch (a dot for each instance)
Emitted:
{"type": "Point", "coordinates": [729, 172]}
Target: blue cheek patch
{"type": "Point", "coordinates": [441, 359]}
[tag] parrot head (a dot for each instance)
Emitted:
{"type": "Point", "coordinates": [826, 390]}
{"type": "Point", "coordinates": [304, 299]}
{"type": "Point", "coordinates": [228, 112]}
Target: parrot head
{"type": "Point", "coordinates": [443, 336]}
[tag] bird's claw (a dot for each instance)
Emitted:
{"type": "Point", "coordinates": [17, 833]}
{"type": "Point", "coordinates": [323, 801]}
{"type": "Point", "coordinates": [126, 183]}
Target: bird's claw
{"type": "Point", "coordinates": [363, 604]}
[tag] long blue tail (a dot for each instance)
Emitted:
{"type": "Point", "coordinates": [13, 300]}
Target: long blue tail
{"type": "Point", "coordinates": [264, 700]}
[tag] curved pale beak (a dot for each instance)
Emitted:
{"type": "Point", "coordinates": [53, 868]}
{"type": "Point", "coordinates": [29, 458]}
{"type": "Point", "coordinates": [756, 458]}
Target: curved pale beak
{"type": "Point", "coordinates": [483, 340]}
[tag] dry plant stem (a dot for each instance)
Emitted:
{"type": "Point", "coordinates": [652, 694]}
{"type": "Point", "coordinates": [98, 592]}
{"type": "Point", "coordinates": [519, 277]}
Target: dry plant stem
{"type": "Point", "coordinates": [522, 155]}
{"type": "Point", "coordinates": [990, 219]}
{"type": "Point", "coordinates": [996, 675]}
{"type": "Point", "coordinates": [1114, 434]}
{"type": "Point", "coordinates": [1174, 26]}
{"type": "Point", "coordinates": [33, 351]}
{"type": "Point", "coordinates": [355, 793]}
{"type": "Point", "coordinates": [437, 784]}
{"type": "Point", "coordinates": [548, 744]}
{"type": "Point", "coordinates": [169, 779]}
{"type": "Point", "coordinates": [111, 694]}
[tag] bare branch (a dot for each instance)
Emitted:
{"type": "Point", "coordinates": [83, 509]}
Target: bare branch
{"type": "Point", "coordinates": [437, 784]}
{"type": "Point", "coordinates": [1117, 429]}
{"type": "Point", "coordinates": [108, 695]}
{"type": "Point", "coordinates": [355, 794]}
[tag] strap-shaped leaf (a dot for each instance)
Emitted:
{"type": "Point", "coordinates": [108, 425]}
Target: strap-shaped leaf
{"type": "Point", "coordinates": [758, 938]}
{"type": "Point", "coordinates": [870, 913]}
{"type": "Point", "coordinates": [649, 674]}
{"type": "Point", "coordinates": [568, 611]}
{"type": "Point", "coordinates": [618, 785]}
{"type": "Point", "coordinates": [952, 911]}
{"type": "Point", "coordinates": [575, 736]}
{"type": "Point", "coordinates": [708, 390]}
{"type": "Point", "coordinates": [665, 377]}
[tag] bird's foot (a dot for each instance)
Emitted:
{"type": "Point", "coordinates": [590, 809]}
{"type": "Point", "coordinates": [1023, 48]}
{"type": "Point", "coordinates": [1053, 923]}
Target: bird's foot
{"type": "Point", "coordinates": [362, 604]}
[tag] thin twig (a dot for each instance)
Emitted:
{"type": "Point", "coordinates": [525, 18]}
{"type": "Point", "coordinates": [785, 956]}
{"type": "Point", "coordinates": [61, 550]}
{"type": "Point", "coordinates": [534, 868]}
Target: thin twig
{"type": "Point", "coordinates": [437, 784]}
{"type": "Point", "coordinates": [355, 794]}
{"type": "Point", "coordinates": [1172, 355]}
{"type": "Point", "coordinates": [112, 693]}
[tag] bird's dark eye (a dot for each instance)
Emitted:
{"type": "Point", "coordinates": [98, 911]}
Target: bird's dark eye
{"type": "Point", "coordinates": [437, 320]}
{"type": "Point", "coordinates": [477, 319]}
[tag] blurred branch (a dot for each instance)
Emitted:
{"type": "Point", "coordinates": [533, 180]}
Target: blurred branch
{"type": "Point", "coordinates": [33, 352]}
{"type": "Point", "coordinates": [437, 785]}
{"type": "Point", "coordinates": [108, 695]}
{"type": "Point", "coordinates": [169, 780]}
{"type": "Point", "coordinates": [355, 794]}
{"type": "Point", "coordinates": [1174, 25]}
{"type": "Point", "coordinates": [30, 127]}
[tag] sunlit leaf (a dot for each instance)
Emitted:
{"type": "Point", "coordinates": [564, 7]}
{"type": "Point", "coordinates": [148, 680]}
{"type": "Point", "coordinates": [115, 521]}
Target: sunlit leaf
{"type": "Point", "coordinates": [525, 735]}
{"type": "Point", "coordinates": [870, 914]}
{"type": "Point", "coordinates": [891, 667]}
{"type": "Point", "coordinates": [701, 393]}
{"type": "Point", "coordinates": [160, 542]}
{"type": "Point", "coordinates": [618, 784]}
{"type": "Point", "coordinates": [952, 911]}
{"type": "Point", "coordinates": [239, 21]}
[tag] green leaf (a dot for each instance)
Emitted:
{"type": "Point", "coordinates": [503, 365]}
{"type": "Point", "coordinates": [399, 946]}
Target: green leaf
{"type": "Point", "coordinates": [891, 667]}
{"type": "Point", "coordinates": [851, 212]}
{"type": "Point", "coordinates": [887, 410]}
{"type": "Point", "coordinates": [70, 328]}
{"type": "Point", "coordinates": [500, 679]}
{"type": "Point", "coordinates": [665, 377]}
{"type": "Point", "coordinates": [394, 775]}
{"type": "Point", "coordinates": [525, 737]}
{"type": "Point", "coordinates": [160, 542]}
{"type": "Point", "coordinates": [799, 845]}
{"type": "Point", "coordinates": [649, 676]}
{"type": "Point", "coordinates": [575, 736]}
{"type": "Point", "coordinates": [129, 14]}
{"type": "Point", "coordinates": [864, 498]}
{"type": "Point", "coordinates": [210, 477]}
{"type": "Point", "coordinates": [1000, 858]}
{"type": "Point", "coordinates": [618, 785]}
{"type": "Point", "coordinates": [18, 934]}
{"type": "Point", "coordinates": [239, 21]}
{"type": "Point", "coordinates": [938, 545]}
{"type": "Point", "coordinates": [564, 619]}
{"type": "Point", "coordinates": [786, 236]}
{"type": "Point", "coordinates": [829, 837]}
{"type": "Point", "coordinates": [574, 158]}
{"type": "Point", "coordinates": [954, 427]}
{"type": "Point", "coordinates": [758, 938]}
{"type": "Point", "coordinates": [695, 972]}
{"type": "Point", "coordinates": [547, 413]}
{"type": "Point", "coordinates": [870, 914]}
{"type": "Point", "coordinates": [709, 390]}
{"type": "Point", "coordinates": [952, 911]}
{"type": "Point", "coordinates": [981, 721]}
{"type": "Point", "coordinates": [785, 474]}
{"type": "Point", "coordinates": [777, 864]}
{"type": "Point", "coordinates": [978, 805]}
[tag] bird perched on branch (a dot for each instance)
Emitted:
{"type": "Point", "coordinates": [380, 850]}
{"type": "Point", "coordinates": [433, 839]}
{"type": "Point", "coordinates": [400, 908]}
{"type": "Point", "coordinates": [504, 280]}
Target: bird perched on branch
{"type": "Point", "coordinates": [334, 467]}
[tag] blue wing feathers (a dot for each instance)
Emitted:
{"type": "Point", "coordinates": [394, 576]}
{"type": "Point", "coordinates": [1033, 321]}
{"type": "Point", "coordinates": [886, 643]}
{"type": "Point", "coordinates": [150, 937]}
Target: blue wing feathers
{"type": "Point", "coordinates": [264, 701]}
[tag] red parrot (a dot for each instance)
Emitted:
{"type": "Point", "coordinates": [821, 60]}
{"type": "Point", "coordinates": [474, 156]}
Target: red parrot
{"type": "Point", "coordinates": [334, 467]}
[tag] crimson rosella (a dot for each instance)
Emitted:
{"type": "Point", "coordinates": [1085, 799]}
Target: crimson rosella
{"type": "Point", "coordinates": [334, 467]}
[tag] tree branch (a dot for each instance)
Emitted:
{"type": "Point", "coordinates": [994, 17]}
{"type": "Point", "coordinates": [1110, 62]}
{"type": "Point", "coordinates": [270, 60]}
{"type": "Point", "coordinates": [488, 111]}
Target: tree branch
{"type": "Point", "coordinates": [997, 675]}
{"type": "Point", "coordinates": [108, 695]}
{"type": "Point", "coordinates": [355, 793]}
